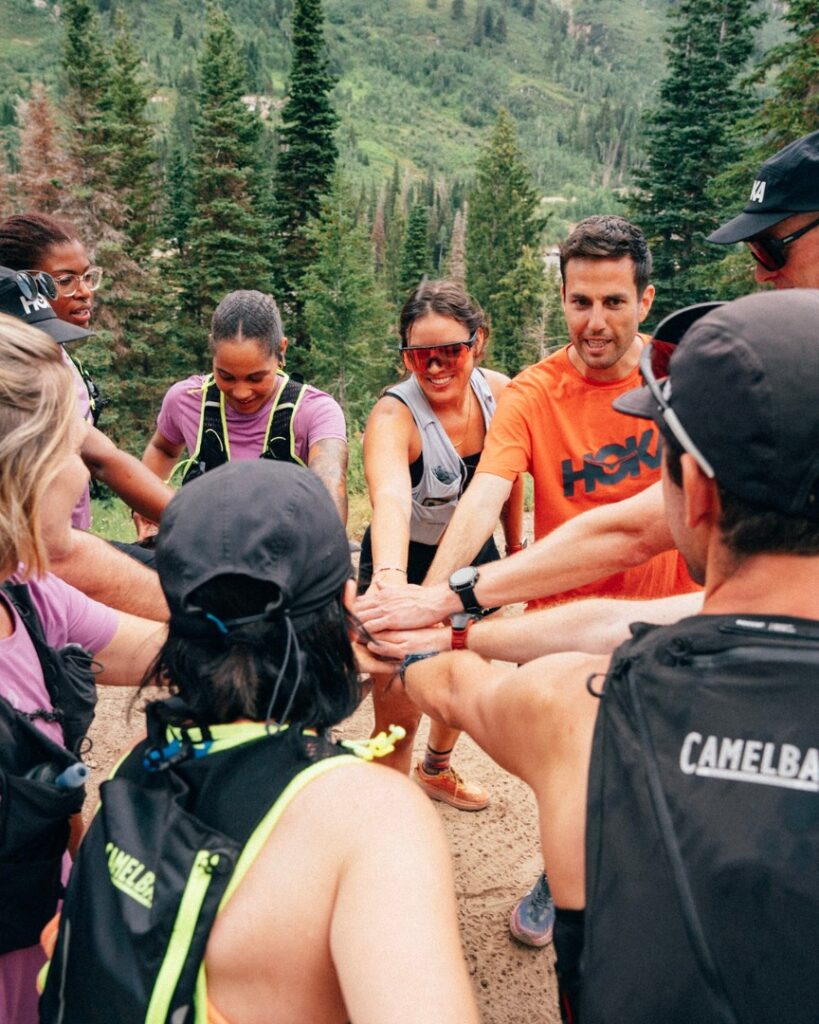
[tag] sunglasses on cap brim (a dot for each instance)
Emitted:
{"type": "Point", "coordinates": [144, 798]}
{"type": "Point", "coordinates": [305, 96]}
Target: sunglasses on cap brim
{"type": "Point", "coordinates": [451, 356]}
{"type": "Point", "coordinates": [33, 283]}
{"type": "Point", "coordinates": [770, 252]}
{"type": "Point", "coordinates": [654, 363]}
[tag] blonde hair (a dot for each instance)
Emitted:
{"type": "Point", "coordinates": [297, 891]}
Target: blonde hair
{"type": "Point", "coordinates": [38, 413]}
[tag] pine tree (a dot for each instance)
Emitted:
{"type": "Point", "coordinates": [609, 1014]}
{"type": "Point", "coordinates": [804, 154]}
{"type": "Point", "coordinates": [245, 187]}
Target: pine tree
{"type": "Point", "coordinates": [378, 235]}
{"type": "Point", "coordinates": [689, 141]}
{"type": "Point", "coordinates": [415, 261]}
{"type": "Point", "coordinates": [458, 10]}
{"type": "Point", "coordinates": [86, 68]}
{"type": "Point", "coordinates": [793, 109]}
{"type": "Point", "coordinates": [504, 226]}
{"type": "Point", "coordinates": [457, 249]}
{"type": "Point", "coordinates": [346, 312]}
{"type": "Point", "coordinates": [516, 305]}
{"type": "Point", "coordinates": [226, 230]}
{"type": "Point", "coordinates": [307, 157]}
{"type": "Point", "coordinates": [42, 162]}
{"type": "Point", "coordinates": [130, 137]}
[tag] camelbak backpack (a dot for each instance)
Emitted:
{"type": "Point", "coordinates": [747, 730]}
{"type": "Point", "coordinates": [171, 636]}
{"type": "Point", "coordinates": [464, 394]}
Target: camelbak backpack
{"type": "Point", "coordinates": [702, 846]}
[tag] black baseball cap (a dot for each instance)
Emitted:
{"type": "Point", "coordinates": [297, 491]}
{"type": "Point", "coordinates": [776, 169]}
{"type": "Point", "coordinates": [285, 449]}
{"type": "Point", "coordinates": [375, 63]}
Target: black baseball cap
{"type": "Point", "coordinates": [35, 309]}
{"type": "Point", "coordinates": [786, 184]}
{"type": "Point", "coordinates": [272, 521]}
{"type": "Point", "coordinates": [744, 383]}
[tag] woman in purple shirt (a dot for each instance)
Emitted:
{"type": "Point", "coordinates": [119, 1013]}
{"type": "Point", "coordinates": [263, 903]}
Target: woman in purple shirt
{"type": "Point", "coordinates": [247, 407]}
{"type": "Point", "coordinates": [41, 477]}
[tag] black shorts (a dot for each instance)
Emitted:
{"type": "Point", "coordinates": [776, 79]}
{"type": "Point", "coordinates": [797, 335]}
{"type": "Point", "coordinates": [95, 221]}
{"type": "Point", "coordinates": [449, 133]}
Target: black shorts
{"type": "Point", "coordinates": [419, 560]}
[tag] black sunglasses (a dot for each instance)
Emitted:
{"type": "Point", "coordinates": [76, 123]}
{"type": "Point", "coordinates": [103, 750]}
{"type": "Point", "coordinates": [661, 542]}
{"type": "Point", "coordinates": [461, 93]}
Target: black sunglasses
{"type": "Point", "coordinates": [770, 252]}
{"type": "Point", "coordinates": [654, 368]}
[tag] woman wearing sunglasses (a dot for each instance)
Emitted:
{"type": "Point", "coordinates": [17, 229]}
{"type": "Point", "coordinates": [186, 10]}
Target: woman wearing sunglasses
{"type": "Point", "coordinates": [52, 253]}
{"type": "Point", "coordinates": [422, 445]}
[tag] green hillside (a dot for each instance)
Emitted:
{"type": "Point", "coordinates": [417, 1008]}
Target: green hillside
{"type": "Point", "coordinates": [416, 84]}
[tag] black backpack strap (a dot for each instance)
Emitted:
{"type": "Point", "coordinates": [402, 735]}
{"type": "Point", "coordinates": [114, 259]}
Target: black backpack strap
{"type": "Point", "coordinates": [693, 924]}
{"type": "Point", "coordinates": [280, 443]}
{"type": "Point", "coordinates": [68, 673]}
{"type": "Point", "coordinates": [211, 443]}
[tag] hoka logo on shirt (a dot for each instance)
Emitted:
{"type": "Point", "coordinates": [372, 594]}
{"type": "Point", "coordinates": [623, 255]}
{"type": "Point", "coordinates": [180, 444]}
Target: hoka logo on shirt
{"type": "Point", "coordinates": [130, 875]}
{"type": "Point", "coordinates": [611, 464]}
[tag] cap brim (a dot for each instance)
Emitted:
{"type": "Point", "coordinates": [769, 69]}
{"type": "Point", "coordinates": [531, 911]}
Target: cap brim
{"type": "Point", "coordinates": [747, 225]}
{"type": "Point", "coordinates": [61, 331]}
{"type": "Point", "coordinates": [639, 402]}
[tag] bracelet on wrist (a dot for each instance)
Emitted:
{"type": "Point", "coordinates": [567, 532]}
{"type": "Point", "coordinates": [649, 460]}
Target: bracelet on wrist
{"type": "Point", "coordinates": [389, 568]}
{"type": "Point", "coordinates": [411, 659]}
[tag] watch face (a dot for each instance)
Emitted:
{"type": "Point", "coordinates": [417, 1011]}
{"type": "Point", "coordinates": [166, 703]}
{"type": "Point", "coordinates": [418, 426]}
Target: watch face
{"type": "Point", "coordinates": [466, 577]}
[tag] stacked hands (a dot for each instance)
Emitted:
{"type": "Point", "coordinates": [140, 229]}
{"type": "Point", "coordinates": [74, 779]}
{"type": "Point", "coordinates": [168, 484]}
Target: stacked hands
{"type": "Point", "coordinates": [395, 621]}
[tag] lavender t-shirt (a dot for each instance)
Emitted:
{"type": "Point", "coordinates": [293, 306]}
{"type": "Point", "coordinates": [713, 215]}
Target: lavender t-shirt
{"type": "Point", "coordinates": [317, 417]}
{"type": "Point", "coordinates": [67, 616]}
{"type": "Point", "coordinates": [81, 516]}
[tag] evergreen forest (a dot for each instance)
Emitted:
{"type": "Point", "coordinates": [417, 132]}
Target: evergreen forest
{"type": "Point", "coordinates": [335, 153]}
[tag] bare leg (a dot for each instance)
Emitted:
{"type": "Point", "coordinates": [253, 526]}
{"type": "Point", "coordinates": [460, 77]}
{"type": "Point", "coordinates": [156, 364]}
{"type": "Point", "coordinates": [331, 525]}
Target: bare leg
{"type": "Point", "coordinates": [441, 737]}
{"type": "Point", "coordinates": [393, 707]}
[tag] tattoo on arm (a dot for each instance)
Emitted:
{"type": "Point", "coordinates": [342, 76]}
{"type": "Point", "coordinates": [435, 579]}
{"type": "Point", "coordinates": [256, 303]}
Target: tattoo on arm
{"type": "Point", "coordinates": [328, 460]}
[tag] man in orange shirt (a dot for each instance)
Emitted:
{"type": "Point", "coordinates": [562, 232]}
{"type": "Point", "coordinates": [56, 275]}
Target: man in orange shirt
{"type": "Point", "coordinates": [555, 421]}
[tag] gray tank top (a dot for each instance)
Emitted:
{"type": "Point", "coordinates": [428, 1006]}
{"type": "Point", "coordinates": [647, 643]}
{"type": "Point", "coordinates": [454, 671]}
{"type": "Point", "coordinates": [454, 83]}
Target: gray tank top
{"type": "Point", "coordinates": [444, 474]}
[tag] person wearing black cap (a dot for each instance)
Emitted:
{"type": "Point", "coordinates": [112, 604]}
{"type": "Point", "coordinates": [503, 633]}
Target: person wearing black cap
{"type": "Point", "coordinates": [780, 223]}
{"type": "Point", "coordinates": [676, 781]}
{"type": "Point", "coordinates": [261, 666]}
{"type": "Point", "coordinates": [91, 565]}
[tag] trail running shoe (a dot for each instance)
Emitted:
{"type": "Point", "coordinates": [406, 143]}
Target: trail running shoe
{"type": "Point", "coordinates": [449, 787]}
{"type": "Point", "coordinates": [533, 919]}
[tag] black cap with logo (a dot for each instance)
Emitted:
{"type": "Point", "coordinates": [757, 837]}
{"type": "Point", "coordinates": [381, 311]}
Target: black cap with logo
{"type": "Point", "coordinates": [744, 383]}
{"type": "Point", "coordinates": [271, 521]}
{"type": "Point", "coordinates": [21, 298]}
{"type": "Point", "coordinates": [786, 184]}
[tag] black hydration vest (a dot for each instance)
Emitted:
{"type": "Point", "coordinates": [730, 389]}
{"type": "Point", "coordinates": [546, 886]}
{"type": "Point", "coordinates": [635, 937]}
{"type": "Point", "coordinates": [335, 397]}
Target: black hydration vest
{"type": "Point", "coordinates": [702, 844]}
{"type": "Point", "coordinates": [34, 814]}
{"type": "Point", "coordinates": [178, 825]}
{"type": "Point", "coordinates": [212, 444]}
{"type": "Point", "coordinates": [96, 402]}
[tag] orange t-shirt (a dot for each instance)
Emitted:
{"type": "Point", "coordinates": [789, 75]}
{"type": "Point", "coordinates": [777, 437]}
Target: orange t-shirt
{"type": "Point", "coordinates": [559, 426]}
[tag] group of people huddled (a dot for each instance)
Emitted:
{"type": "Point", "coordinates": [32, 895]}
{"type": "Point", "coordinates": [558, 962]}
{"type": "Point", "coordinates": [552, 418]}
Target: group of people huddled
{"type": "Point", "coordinates": [245, 864]}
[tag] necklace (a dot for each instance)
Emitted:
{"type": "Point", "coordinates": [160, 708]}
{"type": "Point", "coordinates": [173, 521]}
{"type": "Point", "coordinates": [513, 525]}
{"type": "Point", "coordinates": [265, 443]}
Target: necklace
{"type": "Point", "coordinates": [457, 444]}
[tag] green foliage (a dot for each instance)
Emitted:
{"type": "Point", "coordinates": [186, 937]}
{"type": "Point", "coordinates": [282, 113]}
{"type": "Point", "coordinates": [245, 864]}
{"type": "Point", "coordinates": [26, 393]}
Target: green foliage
{"type": "Point", "coordinates": [346, 312]}
{"type": "Point", "coordinates": [504, 231]}
{"type": "Point", "coordinates": [307, 156]}
{"type": "Point", "coordinates": [689, 137]}
{"type": "Point", "coordinates": [130, 136]}
{"type": "Point", "coordinates": [415, 261]}
{"type": "Point", "coordinates": [227, 231]}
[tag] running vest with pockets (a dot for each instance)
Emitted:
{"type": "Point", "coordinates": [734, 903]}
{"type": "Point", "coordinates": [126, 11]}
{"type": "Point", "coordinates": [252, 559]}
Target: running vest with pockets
{"type": "Point", "coordinates": [702, 843]}
{"type": "Point", "coordinates": [166, 849]}
{"type": "Point", "coordinates": [444, 475]}
{"type": "Point", "coordinates": [213, 443]}
{"type": "Point", "coordinates": [34, 815]}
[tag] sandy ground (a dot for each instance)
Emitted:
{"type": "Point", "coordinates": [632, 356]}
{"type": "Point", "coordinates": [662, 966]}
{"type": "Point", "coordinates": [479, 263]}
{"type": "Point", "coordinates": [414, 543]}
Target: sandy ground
{"type": "Point", "coordinates": [495, 853]}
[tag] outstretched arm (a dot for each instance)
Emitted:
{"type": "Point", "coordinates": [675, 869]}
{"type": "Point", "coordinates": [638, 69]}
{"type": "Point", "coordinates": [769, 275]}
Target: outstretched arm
{"type": "Point", "coordinates": [131, 651]}
{"type": "Point", "coordinates": [597, 543]}
{"type": "Point", "coordinates": [125, 475]}
{"type": "Point", "coordinates": [596, 625]}
{"type": "Point", "coordinates": [536, 722]}
{"type": "Point", "coordinates": [100, 571]}
{"type": "Point", "coordinates": [160, 455]}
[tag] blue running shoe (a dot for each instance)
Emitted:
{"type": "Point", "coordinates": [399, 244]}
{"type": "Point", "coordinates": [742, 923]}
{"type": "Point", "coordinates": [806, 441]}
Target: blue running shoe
{"type": "Point", "coordinates": [533, 919]}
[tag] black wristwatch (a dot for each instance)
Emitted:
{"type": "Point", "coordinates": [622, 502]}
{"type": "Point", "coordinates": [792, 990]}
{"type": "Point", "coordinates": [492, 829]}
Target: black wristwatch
{"type": "Point", "coordinates": [462, 582]}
